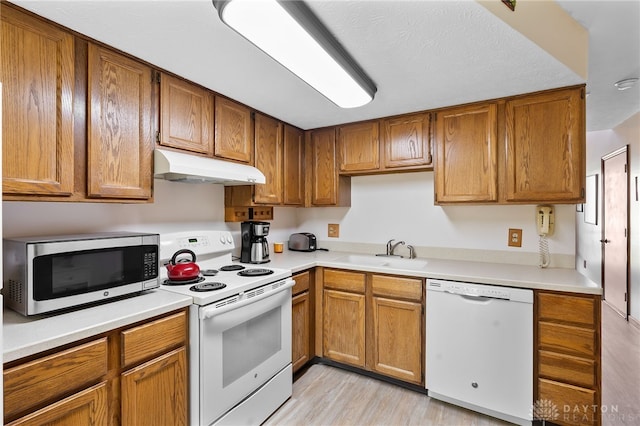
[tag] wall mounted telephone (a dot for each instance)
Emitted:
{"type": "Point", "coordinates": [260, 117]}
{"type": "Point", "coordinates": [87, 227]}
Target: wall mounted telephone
{"type": "Point", "coordinates": [545, 224]}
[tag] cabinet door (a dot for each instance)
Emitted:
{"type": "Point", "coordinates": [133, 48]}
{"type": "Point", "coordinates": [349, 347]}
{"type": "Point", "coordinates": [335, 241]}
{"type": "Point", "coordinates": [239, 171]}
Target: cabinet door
{"type": "Point", "coordinates": [233, 131]}
{"type": "Point", "coordinates": [397, 339]}
{"type": "Point", "coordinates": [268, 154]}
{"type": "Point", "coordinates": [406, 141]}
{"type": "Point", "coordinates": [155, 393]}
{"type": "Point", "coordinates": [293, 179]}
{"type": "Point", "coordinates": [89, 407]}
{"type": "Point", "coordinates": [120, 147]}
{"type": "Point", "coordinates": [546, 142]}
{"type": "Point", "coordinates": [300, 349]}
{"type": "Point", "coordinates": [344, 327]}
{"type": "Point", "coordinates": [466, 154]}
{"type": "Point", "coordinates": [186, 115]}
{"type": "Point", "coordinates": [37, 68]}
{"type": "Point", "coordinates": [359, 147]}
{"type": "Point", "coordinates": [325, 178]}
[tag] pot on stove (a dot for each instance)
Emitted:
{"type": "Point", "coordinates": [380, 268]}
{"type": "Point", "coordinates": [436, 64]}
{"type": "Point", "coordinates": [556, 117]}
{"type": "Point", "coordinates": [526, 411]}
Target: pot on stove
{"type": "Point", "coordinates": [182, 270]}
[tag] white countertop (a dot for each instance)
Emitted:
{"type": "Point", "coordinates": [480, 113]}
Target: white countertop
{"type": "Point", "coordinates": [521, 276]}
{"type": "Point", "coordinates": [24, 336]}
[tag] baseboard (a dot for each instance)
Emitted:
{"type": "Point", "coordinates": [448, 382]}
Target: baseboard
{"type": "Point", "coordinates": [634, 322]}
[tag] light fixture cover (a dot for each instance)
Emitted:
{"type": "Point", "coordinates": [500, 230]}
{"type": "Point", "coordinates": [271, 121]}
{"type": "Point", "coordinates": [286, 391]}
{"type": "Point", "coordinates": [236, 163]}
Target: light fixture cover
{"type": "Point", "coordinates": [626, 83]}
{"type": "Point", "coordinates": [290, 33]}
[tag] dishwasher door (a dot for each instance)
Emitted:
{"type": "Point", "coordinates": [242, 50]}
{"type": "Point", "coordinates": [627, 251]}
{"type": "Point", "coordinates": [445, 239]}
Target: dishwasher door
{"type": "Point", "coordinates": [479, 348]}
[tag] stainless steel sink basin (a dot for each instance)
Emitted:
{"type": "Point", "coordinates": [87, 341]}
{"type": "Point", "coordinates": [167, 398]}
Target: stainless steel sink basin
{"type": "Point", "coordinates": [383, 261]}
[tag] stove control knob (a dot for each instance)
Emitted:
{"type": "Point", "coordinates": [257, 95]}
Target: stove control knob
{"type": "Point", "coordinates": [222, 239]}
{"type": "Point", "coordinates": [229, 239]}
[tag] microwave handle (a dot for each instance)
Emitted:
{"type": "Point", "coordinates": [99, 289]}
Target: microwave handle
{"type": "Point", "coordinates": [211, 311]}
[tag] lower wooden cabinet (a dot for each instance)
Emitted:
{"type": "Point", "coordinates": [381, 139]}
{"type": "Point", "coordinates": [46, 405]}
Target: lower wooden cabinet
{"type": "Point", "coordinates": [374, 322]}
{"type": "Point", "coordinates": [302, 320]}
{"type": "Point", "coordinates": [136, 375]}
{"type": "Point", "coordinates": [568, 366]}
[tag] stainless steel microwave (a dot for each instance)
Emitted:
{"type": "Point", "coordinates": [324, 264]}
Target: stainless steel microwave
{"type": "Point", "coordinates": [46, 274]}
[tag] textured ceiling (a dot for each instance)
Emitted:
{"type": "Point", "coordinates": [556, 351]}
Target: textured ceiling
{"type": "Point", "coordinates": [420, 54]}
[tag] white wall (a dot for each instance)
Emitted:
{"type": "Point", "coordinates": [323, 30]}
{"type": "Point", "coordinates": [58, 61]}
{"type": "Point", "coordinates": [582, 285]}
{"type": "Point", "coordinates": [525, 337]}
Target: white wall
{"type": "Point", "coordinates": [588, 247]}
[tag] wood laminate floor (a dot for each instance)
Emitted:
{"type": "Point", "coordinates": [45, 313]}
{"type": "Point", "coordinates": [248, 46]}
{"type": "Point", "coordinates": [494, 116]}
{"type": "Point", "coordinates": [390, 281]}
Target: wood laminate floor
{"type": "Point", "coordinates": [326, 395]}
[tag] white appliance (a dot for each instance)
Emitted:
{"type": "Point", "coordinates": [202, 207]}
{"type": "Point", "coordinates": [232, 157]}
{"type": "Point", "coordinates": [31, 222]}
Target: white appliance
{"type": "Point", "coordinates": [479, 348]}
{"type": "Point", "coordinates": [239, 331]}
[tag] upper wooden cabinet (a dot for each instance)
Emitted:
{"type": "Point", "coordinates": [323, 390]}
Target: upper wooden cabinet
{"type": "Point", "coordinates": [268, 152]}
{"type": "Point", "coordinates": [186, 115]}
{"type": "Point", "coordinates": [233, 131]}
{"type": "Point", "coordinates": [37, 67]}
{"type": "Point", "coordinates": [293, 179]}
{"type": "Point", "coordinates": [406, 141]}
{"type": "Point", "coordinates": [327, 188]}
{"type": "Point", "coordinates": [359, 147]}
{"type": "Point", "coordinates": [545, 147]}
{"type": "Point", "coordinates": [119, 115]}
{"type": "Point", "coordinates": [466, 146]}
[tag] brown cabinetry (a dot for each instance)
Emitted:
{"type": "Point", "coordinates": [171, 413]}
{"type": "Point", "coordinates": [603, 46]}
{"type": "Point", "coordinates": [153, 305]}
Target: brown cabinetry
{"type": "Point", "coordinates": [327, 187]}
{"type": "Point", "coordinates": [293, 164]}
{"type": "Point", "coordinates": [233, 131]}
{"type": "Point", "coordinates": [466, 146]}
{"type": "Point", "coordinates": [568, 368]}
{"type": "Point", "coordinates": [186, 115]}
{"type": "Point", "coordinates": [128, 374]}
{"type": "Point", "coordinates": [302, 320]}
{"type": "Point", "coordinates": [269, 157]}
{"type": "Point", "coordinates": [119, 115]}
{"type": "Point", "coordinates": [359, 147]}
{"type": "Point", "coordinates": [374, 322]}
{"type": "Point", "coordinates": [406, 141]}
{"type": "Point", "coordinates": [37, 67]}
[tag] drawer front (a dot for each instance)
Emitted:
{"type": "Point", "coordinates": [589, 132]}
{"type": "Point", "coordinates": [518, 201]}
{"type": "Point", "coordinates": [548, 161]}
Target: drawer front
{"type": "Point", "coordinates": [567, 339]}
{"type": "Point", "coordinates": [567, 368]}
{"type": "Point", "coordinates": [302, 282]}
{"type": "Point", "coordinates": [51, 377]}
{"type": "Point", "coordinates": [569, 309]}
{"type": "Point", "coordinates": [575, 405]}
{"type": "Point", "coordinates": [403, 288]}
{"type": "Point", "coordinates": [152, 339]}
{"type": "Point", "coordinates": [344, 280]}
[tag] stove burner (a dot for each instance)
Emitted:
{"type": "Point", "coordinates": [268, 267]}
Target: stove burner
{"type": "Point", "coordinates": [232, 268]}
{"type": "Point", "coordinates": [255, 272]}
{"type": "Point", "coordinates": [182, 282]}
{"type": "Point", "coordinates": [208, 272]}
{"type": "Point", "coordinates": [208, 287]}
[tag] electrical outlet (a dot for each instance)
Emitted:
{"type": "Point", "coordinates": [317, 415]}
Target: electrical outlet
{"type": "Point", "coordinates": [515, 237]}
{"type": "Point", "coordinates": [333, 230]}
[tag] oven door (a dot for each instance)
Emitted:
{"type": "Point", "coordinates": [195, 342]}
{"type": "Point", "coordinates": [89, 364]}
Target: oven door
{"type": "Point", "coordinates": [242, 345]}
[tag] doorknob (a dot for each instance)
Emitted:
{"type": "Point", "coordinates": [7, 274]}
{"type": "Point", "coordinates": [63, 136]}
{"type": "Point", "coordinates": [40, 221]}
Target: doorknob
{"type": "Point", "coordinates": [605, 241]}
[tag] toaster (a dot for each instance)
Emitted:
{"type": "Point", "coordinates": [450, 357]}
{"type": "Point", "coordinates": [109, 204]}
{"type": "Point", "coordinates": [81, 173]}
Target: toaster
{"type": "Point", "coordinates": [303, 241]}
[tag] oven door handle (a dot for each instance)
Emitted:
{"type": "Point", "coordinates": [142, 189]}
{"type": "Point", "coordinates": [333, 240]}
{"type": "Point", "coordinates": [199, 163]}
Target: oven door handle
{"type": "Point", "coordinates": [212, 311]}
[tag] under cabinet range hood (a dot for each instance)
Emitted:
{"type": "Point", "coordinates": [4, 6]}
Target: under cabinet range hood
{"type": "Point", "coordinates": [180, 167]}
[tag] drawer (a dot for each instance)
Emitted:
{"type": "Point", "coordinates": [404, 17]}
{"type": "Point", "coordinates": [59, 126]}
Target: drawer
{"type": "Point", "coordinates": [54, 376]}
{"type": "Point", "coordinates": [567, 339]}
{"type": "Point", "coordinates": [567, 368]}
{"type": "Point", "coordinates": [344, 280]}
{"type": "Point", "coordinates": [302, 282]}
{"type": "Point", "coordinates": [152, 339]}
{"type": "Point", "coordinates": [581, 311]}
{"type": "Point", "coordinates": [403, 288]}
{"type": "Point", "coordinates": [575, 405]}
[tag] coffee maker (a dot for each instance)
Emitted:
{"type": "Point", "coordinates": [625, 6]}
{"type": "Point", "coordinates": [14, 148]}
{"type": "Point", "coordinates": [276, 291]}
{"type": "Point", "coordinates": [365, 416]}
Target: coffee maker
{"type": "Point", "coordinates": [255, 248]}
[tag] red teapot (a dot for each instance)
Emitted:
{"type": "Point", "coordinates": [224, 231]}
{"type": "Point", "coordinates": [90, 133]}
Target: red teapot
{"type": "Point", "coordinates": [183, 270]}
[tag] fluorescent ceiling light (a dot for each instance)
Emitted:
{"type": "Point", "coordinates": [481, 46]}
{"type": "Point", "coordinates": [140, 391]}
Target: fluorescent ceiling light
{"type": "Point", "coordinates": [291, 34]}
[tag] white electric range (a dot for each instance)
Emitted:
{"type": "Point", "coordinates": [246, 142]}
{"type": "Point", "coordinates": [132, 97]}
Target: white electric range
{"type": "Point", "coordinates": [239, 331]}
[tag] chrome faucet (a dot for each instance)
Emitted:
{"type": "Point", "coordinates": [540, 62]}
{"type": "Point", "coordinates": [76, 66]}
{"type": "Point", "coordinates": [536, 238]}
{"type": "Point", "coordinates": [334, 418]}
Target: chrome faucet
{"type": "Point", "coordinates": [412, 251]}
{"type": "Point", "coordinates": [392, 248]}
{"type": "Point", "coordinates": [389, 247]}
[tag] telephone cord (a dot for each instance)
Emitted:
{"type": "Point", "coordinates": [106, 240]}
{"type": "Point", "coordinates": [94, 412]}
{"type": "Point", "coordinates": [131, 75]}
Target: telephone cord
{"type": "Point", "coordinates": [544, 251]}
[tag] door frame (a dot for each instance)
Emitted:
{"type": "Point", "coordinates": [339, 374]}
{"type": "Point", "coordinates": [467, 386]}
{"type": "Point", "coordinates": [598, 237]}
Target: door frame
{"type": "Point", "coordinates": [624, 150]}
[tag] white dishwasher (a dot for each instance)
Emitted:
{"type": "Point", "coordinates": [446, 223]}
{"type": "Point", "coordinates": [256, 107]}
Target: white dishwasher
{"type": "Point", "coordinates": [479, 348]}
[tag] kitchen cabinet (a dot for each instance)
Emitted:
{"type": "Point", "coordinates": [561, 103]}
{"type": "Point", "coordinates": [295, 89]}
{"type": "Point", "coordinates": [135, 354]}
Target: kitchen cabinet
{"type": "Point", "coordinates": [233, 131]}
{"type": "Point", "coordinates": [406, 142]}
{"type": "Point", "coordinates": [126, 376]}
{"type": "Point", "coordinates": [466, 146]}
{"type": "Point", "coordinates": [523, 149]}
{"type": "Point", "coordinates": [120, 125]}
{"type": "Point", "coordinates": [37, 66]}
{"type": "Point", "coordinates": [302, 319]}
{"type": "Point", "coordinates": [374, 322]}
{"type": "Point", "coordinates": [269, 156]}
{"type": "Point", "coordinates": [186, 115]}
{"type": "Point", "coordinates": [327, 187]}
{"type": "Point", "coordinates": [293, 166]}
{"type": "Point", "coordinates": [567, 356]}
{"type": "Point", "coordinates": [359, 147]}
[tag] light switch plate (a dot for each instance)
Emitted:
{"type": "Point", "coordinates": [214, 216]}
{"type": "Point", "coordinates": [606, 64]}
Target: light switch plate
{"type": "Point", "coordinates": [333, 230]}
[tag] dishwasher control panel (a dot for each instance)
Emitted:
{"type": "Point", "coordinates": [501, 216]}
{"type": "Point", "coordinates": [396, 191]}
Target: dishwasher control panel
{"type": "Point", "coordinates": [479, 290]}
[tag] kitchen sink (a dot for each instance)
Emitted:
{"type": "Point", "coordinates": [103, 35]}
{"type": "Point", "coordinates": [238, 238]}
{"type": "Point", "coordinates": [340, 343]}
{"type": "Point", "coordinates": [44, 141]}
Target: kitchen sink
{"type": "Point", "coordinates": [384, 261]}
